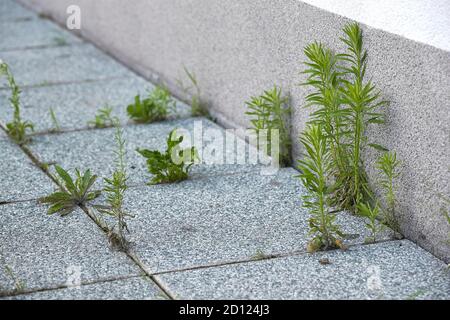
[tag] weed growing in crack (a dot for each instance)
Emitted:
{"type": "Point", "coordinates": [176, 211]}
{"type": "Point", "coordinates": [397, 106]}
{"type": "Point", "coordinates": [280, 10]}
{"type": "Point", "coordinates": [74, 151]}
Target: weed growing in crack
{"type": "Point", "coordinates": [388, 165]}
{"type": "Point", "coordinates": [72, 192]}
{"type": "Point", "coordinates": [19, 285]}
{"type": "Point", "coordinates": [172, 165]}
{"type": "Point", "coordinates": [372, 214]}
{"type": "Point", "coordinates": [114, 189]}
{"type": "Point", "coordinates": [60, 41]}
{"type": "Point", "coordinates": [155, 107]}
{"type": "Point", "coordinates": [315, 167]}
{"type": "Point", "coordinates": [345, 105]}
{"type": "Point", "coordinates": [56, 126]}
{"type": "Point", "coordinates": [17, 129]}
{"type": "Point", "coordinates": [270, 111]}
{"type": "Point", "coordinates": [103, 118]}
{"type": "Point", "coordinates": [198, 108]}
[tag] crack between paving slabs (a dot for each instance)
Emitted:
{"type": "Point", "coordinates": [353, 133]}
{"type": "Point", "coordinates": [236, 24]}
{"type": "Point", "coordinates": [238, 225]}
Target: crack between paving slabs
{"type": "Point", "coordinates": [268, 257]}
{"type": "Point", "coordinates": [37, 47]}
{"type": "Point", "coordinates": [61, 83]}
{"type": "Point", "coordinates": [59, 287]}
{"type": "Point", "coordinates": [103, 228]}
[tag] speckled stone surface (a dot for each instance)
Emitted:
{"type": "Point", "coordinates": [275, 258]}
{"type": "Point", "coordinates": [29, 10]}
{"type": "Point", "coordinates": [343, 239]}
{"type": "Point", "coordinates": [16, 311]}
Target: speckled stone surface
{"type": "Point", "coordinates": [40, 67]}
{"type": "Point", "coordinates": [137, 288]}
{"type": "Point", "coordinates": [223, 219]}
{"type": "Point", "coordinates": [48, 251]}
{"type": "Point", "coordinates": [95, 149]}
{"type": "Point", "coordinates": [20, 178]}
{"type": "Point", "coordinates": [391, 270]}
{"type": "Point", "coordinates": [76, 104]}
{"type": "Point", "coordinates": [11, 11]}
{"type": "Point", "coordinates": [31, 33]}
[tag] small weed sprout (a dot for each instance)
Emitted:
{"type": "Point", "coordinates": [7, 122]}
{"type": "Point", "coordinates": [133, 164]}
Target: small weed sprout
{"type": "Point", "coordinates": [174, 164]}
{"type": "Point", "coordinates": [155, 107]}
{"type": "Point", "coordinates": [114, 189]}
{"type": "Point", "coordinates": [387, 165]}
{"type": "Point", "coordinates": [270, 112]}
{"type": "Point", "coordinates": [315, 167]}
{"type": "Point", "coordinates": [72, 193]}
{"type": "Point", "coordinates": [17, 129]}
{"type": "Point", "coordinates": [56, 126]}
{"type": "Point", "coordinates": [372, 225]}
{"type": "Point", "coordinates": [103, 118]}
{"type": "Point", "coordinates": [60, 41]}
{"type": "Point", "coordinates": [198, 108]}
{"type": "Point", "coordinates": [19, 285]}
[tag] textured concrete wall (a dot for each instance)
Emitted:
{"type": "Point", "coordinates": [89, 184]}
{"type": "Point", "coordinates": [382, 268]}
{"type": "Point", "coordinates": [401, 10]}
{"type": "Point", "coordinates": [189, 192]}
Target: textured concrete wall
{"type": "Point", "coordinates": [238, 48]}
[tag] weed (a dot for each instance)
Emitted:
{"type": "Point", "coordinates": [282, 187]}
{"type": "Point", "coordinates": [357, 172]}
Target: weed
{"type": "Point", "coordinates": [362, 100]}
{"type": "Point", "coordinates": [261, 255]}
{"type": "Point", "coordinates": [388, 164]}
{"type": "Point", "coordinates": [174, 164]}
{"type": "Point", "coordinates": [372, 215]}
{"type": "Point", "coordinates": [155, 107]}
{"type": "Point", "coordinates": [103, 118]}
{"type": "Point", "coordinates": [198, 109]}
{"type": "Point", "coordinates": [315, 167]}
{"type": "Point", "coordinates": [19, 285]}
{"type": "Point", "coordinates": [346, 104]}
{"type": "Point", "coordinates": [270, 112]}
{"type": "Point", "coordinates": [17, 129]}
{"type": "Point", "coordinates": [60, 41]}
{"type": "Point", "coordinates": [56, 126]}
{"type": "Point", "coordinates": [114, 189]}
{"type": "Point", "coordinates": [72, 193]}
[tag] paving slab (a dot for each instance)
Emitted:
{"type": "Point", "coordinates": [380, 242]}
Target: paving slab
{"type": "Point", "coordinates": [46, 66]}
{"type": "Point", "coordinates": [20, 178]}
{"type": "Point", "coordinates": [390, 270]}
{"type": "Point", "coordinates": [221, 219]}
{"type": "Point", "coordinates": [29, 33]}
{"type": "Point", "coordinates": [94, 149]}
{"type": "Point", "coordinates": [76, 104]}
{"type": "Point", "coordinates": [50, 251]}
{"type": "Point", "coordinates": [12, 11]}
{"type": "Point", "coordinates": [138, 288]}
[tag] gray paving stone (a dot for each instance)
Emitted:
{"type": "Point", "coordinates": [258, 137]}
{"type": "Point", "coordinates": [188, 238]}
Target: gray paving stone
{"type": "Point", "coordinates": [40, 67]}
{"type": "Point", "coordinates": [33, 33]}
{"type": "Point", "coordinates": [76, 104]}
{"type": "Point", "coordinates": [48, 251]}
{"type": "Point", "coordinates": [390, 270]}
{"type": "Point", "coordinates": [139, 288]}
{"type": "Point", "coordinates": [12, 11]}
{"type": "Point", "coordinates": [223, 219]}
{"type": "Point", "coordinates": [20, 178]}
{"type": "Point", "coordinates": [95, 149]}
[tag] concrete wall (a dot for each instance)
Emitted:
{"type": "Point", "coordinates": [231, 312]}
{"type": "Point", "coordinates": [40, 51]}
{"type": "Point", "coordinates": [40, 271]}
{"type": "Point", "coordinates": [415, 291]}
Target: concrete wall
{"type": "Point", "coordinates": [238, 48]}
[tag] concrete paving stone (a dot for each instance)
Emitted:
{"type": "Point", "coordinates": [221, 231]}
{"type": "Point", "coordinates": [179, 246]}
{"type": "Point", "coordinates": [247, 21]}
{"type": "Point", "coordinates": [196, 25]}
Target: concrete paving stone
{"type": "Point", "coordinates": [94, 149]}
{"type": "Point", "coordinates": [25, 34]}
{"type": "Point", "coordinates": [223, 219]}
{"type": "Point", "coordinates": [40, 67]}
{"type": "Point", "coordinates": [50, 251]}
{"type": "Point", "coordinates": [12, 11]}
{"type": "Point", "coordinates": [138, 288]}
{"type": "Point", "coordinates": [20, 178]}
{"type": "Point", "coordinates": [76, 104]}
{"type": "Point", "coordinates": [390, 270]}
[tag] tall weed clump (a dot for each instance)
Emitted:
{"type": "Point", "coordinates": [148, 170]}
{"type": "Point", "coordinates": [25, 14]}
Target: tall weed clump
{"type": "Point", "coordinates": [344, 105]}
